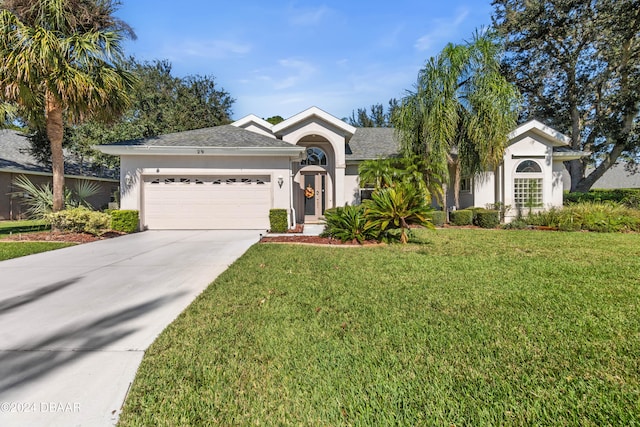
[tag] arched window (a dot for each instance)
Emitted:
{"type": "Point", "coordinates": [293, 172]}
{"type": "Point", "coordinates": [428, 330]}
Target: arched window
{"type": "Point", "coordinates": [528, 166]}
{"type": "Point", "coordinates": [527, 185]}
{"type": "Point", "coordinates": [315, 156]}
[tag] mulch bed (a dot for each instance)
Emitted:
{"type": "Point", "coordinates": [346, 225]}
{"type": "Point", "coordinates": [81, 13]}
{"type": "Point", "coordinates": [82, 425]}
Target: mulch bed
{"type": "Point", "coordinates": [58, 236]}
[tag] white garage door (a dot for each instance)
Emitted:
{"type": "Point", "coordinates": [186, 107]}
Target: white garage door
{"type": "Point", "coordinates": [206, 202]}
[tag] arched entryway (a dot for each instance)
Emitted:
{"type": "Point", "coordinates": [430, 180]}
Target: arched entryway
{"type": "Point", "coordinates": [315, 181]}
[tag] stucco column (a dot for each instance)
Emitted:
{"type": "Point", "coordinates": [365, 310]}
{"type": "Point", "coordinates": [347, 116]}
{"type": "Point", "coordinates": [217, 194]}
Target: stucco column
{"type": "Point", "coordinates": [339, 185]}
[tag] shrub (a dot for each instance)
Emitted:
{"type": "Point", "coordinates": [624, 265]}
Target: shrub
{"type": "Point", "coordinates": [629, 197]}
{"type": "Point", "coordinates": [38, 199]}
{"type": "Point", "coordinates": [391, 211]}
{"type": "Point", "coordinates": [601, 217]}
{"type": "Point", "coordinates": [461, 217]}
{"type": "Point", "coordinates": [486, 218]}
{"type": "Point", "coordinates": [348, 223]}
{"type": "Point", "coordinates": [125, 220]}
{"type": "Point", "coordinates": [79, 220]}
{"type": "Point", "coordinates": [547, 218]}
{"type": "Point", "coordinates": [278, 220]}
{"type": "Point", "coordinates": [589, 216]}
{"type": "Point", "coordinates": [438, 218]}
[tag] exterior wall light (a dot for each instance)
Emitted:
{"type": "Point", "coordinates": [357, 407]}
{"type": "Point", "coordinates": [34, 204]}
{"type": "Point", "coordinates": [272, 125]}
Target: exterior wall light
{"type": "Point", "coordinates": [280, 181]}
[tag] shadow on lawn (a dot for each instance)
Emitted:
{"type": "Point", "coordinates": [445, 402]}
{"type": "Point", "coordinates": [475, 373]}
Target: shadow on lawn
{"type": "Point", "coordinates": [33, 360]}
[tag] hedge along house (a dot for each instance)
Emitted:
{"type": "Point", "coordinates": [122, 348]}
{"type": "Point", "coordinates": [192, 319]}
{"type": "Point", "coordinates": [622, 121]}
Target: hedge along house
{"type": "Point", "coordinates": [229, 177]}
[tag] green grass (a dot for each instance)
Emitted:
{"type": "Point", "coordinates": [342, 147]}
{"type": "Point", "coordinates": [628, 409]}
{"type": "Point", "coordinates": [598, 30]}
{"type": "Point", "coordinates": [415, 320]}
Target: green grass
{"type": "Point", "coordinates": [469, 327]}
{"type": "Point", "coordinates": [10, 250]}
{"type": "Point", "coordinates": [25, 226]}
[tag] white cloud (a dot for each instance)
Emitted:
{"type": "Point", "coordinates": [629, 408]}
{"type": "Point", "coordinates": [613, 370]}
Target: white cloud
{"type": "Point", "coordinates": [211, 49]}
{"type": "Point", "coordinates": [290, 73]}
{"type": "Point", "coordinates": [441, 29]}
{"type": "Point", "coordinates": [308, 16]}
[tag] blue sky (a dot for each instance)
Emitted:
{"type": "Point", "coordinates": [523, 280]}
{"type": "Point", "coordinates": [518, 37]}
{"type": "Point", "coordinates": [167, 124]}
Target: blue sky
{"type": "Point", "coordinates": [281, 57]}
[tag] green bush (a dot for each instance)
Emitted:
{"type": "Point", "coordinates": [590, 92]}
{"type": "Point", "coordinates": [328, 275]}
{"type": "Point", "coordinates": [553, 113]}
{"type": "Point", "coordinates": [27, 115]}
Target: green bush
{"type": "Point", "coordinates": [547, 218]}
{"type": "Point", "coordinates": [79, 220]}
{"type": "Point", "coordinates": [392, 210]}
{"type": "Point", "coordinates": [438, 218]}
{"type": "Point", "coordinates": [125, 220]}
{"type": "Point", "coordinates": [590, 216]}
{"type": "Point", "coordinates": [461, 217]}
{"type": "Point", "coordinates": [629, 197]}
{"type": "Point", "coordinates": [278, 220]}
{"type": "Point", "coordinates": [486, 218]}
{"type": "Point", "coordinates": [348, 223]}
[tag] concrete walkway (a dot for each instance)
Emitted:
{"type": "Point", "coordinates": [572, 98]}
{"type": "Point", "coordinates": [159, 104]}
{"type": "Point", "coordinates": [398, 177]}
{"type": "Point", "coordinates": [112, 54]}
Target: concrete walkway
{"type": "Point", "coordinates": [74, 323]}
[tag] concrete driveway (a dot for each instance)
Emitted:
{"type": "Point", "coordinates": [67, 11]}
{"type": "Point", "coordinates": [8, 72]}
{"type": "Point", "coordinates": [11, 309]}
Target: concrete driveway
{"type": "Point", "coordinates": [75, 322]}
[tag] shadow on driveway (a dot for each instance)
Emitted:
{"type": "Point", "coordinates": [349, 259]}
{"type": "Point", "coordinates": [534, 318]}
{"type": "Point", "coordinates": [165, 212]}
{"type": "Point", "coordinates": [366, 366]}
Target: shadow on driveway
{"type": "Point", "coordinates": [33, 360]}
{"type": "Point", "coordinates": [15, 302]}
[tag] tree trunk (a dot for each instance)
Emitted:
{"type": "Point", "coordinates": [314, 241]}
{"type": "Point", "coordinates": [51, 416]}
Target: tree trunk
{"type": "Point", "coordinates": [456, 183]}
{"type": "Point", "coordinates": [55, 133]}
{"type": "Point", "coordinates": [585, 184]}
{"type": "Point", "coordinates": [576, 172]}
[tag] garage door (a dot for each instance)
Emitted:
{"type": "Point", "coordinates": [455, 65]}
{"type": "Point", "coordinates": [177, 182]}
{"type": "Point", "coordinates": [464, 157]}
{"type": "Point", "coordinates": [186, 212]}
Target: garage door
{"type": "Point", "coordinates": [206, 202]}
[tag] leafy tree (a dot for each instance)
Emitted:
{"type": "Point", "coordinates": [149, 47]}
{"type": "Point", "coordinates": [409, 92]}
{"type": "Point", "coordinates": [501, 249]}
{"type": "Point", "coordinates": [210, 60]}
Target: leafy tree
{"type": "Point", "coordinates": [162, 103]}
{"type": "Point", "coordinates": [274, 120]}
{"type": "Point", "coordinates": [61, 61]}
{"type": "Point", "coordinates": [375, 117]}
{"type": "Point", "coordinates": [577, 64]}
{"type": "Point", "coordinates": [460, 113]}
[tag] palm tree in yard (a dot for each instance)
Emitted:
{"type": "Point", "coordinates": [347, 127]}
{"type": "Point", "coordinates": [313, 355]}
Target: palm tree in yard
{"type": "Point", "coordinates": [61, 61]}
{"type": "Point", "coordinates": [461, 111]}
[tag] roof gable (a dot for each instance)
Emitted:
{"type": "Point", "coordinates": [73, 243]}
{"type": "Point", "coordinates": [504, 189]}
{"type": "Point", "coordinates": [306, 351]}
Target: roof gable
{"type": "Point", "coordinates": [313, 113]}
{"type": "Point", "coordinates": [550, 135]}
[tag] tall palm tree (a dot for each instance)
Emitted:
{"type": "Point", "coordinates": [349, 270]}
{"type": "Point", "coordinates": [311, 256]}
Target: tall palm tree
{"type": "Point", "coordinates": [61, 60]}
{"type": "Point", "coordinates": [461, 111]}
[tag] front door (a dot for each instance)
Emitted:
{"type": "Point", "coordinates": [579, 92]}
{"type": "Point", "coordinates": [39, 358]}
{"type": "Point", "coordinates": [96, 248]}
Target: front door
{"type": "Point", "coordinates": [314, 197]}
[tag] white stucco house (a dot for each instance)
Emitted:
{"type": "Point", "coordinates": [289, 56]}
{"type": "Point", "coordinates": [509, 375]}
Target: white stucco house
{"type": "Point", "coordinates": [229, 177]}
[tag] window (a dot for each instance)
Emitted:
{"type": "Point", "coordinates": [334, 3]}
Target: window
{"type": "Point", "coordinates": [527, 185]}
{"type": "Point", "coordinates": [465, 185]}
{"type": "Point", "coordinates": [315, 156]}
{"type": "Point", "coordinates": [528, 166]}
{"type": "Point", "coordinates": [527, 192]}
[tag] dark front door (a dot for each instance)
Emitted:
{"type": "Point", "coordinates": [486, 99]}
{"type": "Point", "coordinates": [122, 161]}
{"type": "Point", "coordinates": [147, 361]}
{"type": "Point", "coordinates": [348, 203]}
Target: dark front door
{"type": "Point", "coordinates": [314, 197]}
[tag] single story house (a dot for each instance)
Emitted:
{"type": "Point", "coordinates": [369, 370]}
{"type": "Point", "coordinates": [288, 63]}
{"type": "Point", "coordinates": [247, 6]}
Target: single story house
{"type": "Point", "coordinates": [16, 160]}
{"type": "Point", "coordinates": [620, 175]}
{"type": "Point", "coordinates": [230, 176]}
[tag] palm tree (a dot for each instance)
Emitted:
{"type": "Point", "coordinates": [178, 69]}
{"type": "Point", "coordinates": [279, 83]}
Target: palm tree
{"type": "Point", "coordinates": [60, 60]}
{"type": "Point", "coordinates": [461, 111]}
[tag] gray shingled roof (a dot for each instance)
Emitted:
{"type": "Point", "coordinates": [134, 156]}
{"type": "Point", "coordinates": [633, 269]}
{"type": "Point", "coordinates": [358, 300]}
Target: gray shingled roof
{"type": "Point", "coordinates": [620, 175]}
{"type": "Point", "coordinates": [226, 136]}
{"type": "Point", "coordinates": [372, 143]}
{"type": "Point", "coordinates": [15, 156]}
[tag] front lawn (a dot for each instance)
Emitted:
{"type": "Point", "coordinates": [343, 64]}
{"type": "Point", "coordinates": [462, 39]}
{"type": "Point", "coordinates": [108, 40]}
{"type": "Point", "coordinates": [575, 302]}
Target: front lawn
{"type": "Point", "coordinates": [469, 327]}
{"type": "Point", "coordinates": [10, 250]}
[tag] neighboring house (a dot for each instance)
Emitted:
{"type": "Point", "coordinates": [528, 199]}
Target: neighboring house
{"type": "Point", "coordinates": [230, 176]}
{"type": "Point", "coordinates": [620, 175]}
{"type": "Point", "coordinates": [16, 160]}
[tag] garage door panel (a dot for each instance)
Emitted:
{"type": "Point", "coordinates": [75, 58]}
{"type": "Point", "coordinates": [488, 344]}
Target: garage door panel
{"type": "Point", "coordinates": [207, 203]}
